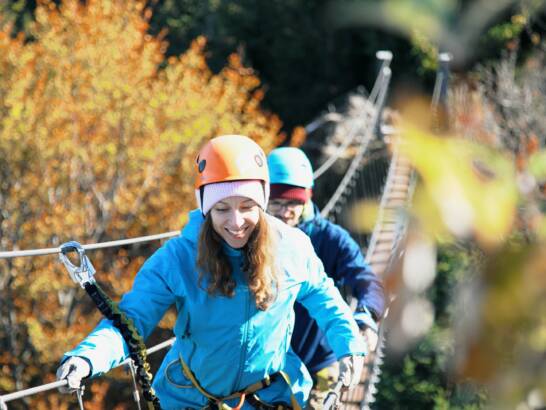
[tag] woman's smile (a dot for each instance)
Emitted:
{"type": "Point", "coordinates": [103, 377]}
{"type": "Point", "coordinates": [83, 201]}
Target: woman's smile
{"type": "Point", "coordinates": [234, 219]}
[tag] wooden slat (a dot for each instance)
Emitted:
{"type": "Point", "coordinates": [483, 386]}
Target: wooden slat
{"type": "Point", "coordinates": [386, 233]}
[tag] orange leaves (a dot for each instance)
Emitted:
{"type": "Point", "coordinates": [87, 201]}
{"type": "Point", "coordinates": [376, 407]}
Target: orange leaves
{"type": "Point", "coordinates": [97, 143]}
{"type": "Point", "coordinates": [88, 99]}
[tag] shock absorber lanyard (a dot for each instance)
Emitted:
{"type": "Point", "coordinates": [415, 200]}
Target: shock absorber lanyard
{"type": "Point", "coordinates": [83, 275]}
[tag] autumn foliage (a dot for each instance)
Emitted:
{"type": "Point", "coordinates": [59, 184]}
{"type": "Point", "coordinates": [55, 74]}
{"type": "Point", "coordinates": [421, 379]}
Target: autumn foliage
{"type": "Point", "coordinates": [98, 134]}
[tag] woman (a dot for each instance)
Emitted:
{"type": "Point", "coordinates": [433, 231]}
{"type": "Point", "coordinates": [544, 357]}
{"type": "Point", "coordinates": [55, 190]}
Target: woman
{"type": "Point", "coordinates": [234, 274]}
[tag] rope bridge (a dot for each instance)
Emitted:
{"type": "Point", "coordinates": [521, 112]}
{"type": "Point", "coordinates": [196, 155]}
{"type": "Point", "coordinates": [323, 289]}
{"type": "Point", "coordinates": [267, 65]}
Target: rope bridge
{"type": "Point", "coordinates": [383, 246]}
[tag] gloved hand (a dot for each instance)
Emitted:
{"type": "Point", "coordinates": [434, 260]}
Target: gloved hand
{"type": "Point", "coordinates": [372, 338]}
{"type": "Point", "coordinates": [74, 370]}
{"type": "Point", "coordinates": [350, 369]}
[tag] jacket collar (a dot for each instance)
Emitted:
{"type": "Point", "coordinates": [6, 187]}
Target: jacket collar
{"type": "Point", "coordinates": [311, 221]}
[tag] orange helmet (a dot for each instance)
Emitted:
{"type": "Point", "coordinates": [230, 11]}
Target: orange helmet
{"type": "Point", "coordinates": [231, 158]}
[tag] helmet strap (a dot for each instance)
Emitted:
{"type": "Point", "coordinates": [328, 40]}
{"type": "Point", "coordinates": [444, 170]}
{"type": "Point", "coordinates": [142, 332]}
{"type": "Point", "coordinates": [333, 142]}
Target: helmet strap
{"type": "Point", "coordinates": [201, 194]}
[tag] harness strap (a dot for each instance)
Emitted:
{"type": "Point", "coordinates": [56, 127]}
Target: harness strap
{"type": "Point", "coordinates": [258, 404]}
{"type": "Point", "coordinates": [248, 391]}
{"type": "Point", "coordinates": [241, 402]}
{"type": "Point", "coordinates": [293, 401]}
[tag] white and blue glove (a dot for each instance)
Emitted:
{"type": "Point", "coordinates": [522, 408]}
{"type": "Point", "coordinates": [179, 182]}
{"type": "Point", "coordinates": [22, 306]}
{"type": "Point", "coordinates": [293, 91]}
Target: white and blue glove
{"type": "Point", "coordinates": [350, 370]}
{"type": "Point", "coordinates": [74, 369]}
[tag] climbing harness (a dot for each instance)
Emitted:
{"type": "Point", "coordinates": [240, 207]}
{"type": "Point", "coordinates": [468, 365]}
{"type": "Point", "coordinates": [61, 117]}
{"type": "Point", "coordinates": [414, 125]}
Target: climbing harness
{"type": "Point", "coordinates": [83, 275]}
{"type": "Point", "coordinates": [247, 393]}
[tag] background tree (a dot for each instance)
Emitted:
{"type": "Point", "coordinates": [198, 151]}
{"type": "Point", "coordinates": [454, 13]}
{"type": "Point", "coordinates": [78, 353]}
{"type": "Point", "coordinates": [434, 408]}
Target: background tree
{"type": "Point", "coordinates": [97, 143]}
{"type": "Point", "coordinates": [308, 53]}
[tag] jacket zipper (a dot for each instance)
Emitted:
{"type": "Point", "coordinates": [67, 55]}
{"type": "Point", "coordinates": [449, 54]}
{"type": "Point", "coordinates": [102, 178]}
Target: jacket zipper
{"type": "Point", "coordinates": [243, 345]}
{"type": "Point", "coordinates": [187, 335]}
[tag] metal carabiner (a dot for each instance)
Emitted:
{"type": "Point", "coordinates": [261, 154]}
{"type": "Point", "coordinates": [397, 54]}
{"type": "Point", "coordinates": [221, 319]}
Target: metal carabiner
{"type": "Point", "coordinates": [83, 273]}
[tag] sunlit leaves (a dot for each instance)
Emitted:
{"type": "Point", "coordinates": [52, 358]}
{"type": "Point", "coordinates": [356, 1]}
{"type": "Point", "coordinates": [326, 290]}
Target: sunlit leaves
{"type": "Point", "coordinates": [507, 349]}
{"type": "Point", "coordinates": [97, 142]}
{"type": "Point", "coordinates": [472, 186]}
{"type": "Point", "coordinates": [537, 165]}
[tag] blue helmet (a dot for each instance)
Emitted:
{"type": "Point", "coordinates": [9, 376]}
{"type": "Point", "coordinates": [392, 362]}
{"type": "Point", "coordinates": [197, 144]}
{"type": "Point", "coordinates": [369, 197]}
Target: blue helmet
{"type": "Point", "coordinates": [290, 166]}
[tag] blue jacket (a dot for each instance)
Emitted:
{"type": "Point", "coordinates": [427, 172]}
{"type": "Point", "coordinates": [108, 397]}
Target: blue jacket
{"type": "Point", "coordinates": [227, 342]}
{"type": "Point", "coordinates": [344, 263]}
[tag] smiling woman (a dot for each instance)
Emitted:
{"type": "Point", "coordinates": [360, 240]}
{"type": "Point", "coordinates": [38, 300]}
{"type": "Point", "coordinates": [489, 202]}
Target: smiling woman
{"type": "Point", "coordinates": [234, 219]}
{"type": "Point", "coordinates": [236, 222]}
{"type": "Point", "coordinates": [234, 275]}
{"type": "Point", "coordinates": [233, 206]}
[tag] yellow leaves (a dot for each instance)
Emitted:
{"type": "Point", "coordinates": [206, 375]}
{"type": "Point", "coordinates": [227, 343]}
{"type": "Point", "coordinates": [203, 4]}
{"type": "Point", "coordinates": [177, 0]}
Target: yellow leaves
{"type": "Point", "coordinates": [511, 336]}
{"type": "Point", "coordinates": [363, 216]}
{"type": "Point", "coordinates": [472, 187]}
{"type": "Point", "coordinates": [97, 143]}
{"type": "Point", "coordinates": [16, 110]}
{"type": "Point", "coordinates": [537, 338]}
{"type": "Point", "coordinates": [35, 332]}
{"type": "Point", "coordinates": [537, 165]}
{"type": "Point", "coordinates": [7, 383]}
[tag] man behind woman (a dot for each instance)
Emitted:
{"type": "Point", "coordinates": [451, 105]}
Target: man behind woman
{"type": "Point", "coordinates": [292, 182]}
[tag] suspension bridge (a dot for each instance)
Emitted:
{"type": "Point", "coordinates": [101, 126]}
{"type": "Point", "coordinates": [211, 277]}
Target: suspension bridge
{"type": "Point", "coordinates": [367, 137]}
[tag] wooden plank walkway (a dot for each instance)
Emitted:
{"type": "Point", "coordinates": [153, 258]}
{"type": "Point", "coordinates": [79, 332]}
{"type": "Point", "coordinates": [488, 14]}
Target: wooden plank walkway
{"type": "Point", "coordinates": [382, 253]}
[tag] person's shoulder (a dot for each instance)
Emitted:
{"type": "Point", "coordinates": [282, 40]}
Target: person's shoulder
{"type": "Point", "coordinates": [178, 244]}
{"type": "Point", "coordinates": [280, 228]}
{"type": "Point", "coordinates": [174, 262]}
{"type": "Point", "coordinates": [336, 237]}
{"type": "Point", "coordinates": [174, 251]}
{"type": "Point", "coordinates": [330, 228]}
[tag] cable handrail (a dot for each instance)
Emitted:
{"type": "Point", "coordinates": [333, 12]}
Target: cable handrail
{"type": "Point", "coordinates": [385, 57]}
{"type": "Point", "coordinates": [440, 87]}
{"type": "Point", "coordinates": [441, 78]}
{"type": "Point", "coordinates": [61, 383]}
{"type": "Point", "coordinates": [91, 246]}
{"type": "Point", "coordinates": [384, 199]}
{"type": "Point", "coordinates": [361, 150]}
{"type": "Point", "coordinates": [340, 150]}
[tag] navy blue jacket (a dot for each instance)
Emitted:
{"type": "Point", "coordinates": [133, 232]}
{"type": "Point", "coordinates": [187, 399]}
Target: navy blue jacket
{"type": "Point", "coordinates": [344, 263]}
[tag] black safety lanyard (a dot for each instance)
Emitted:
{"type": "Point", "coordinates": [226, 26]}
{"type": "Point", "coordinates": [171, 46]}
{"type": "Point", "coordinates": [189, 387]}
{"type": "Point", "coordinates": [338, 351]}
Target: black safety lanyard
{"type": "Point", "coordinates": [83, 275]}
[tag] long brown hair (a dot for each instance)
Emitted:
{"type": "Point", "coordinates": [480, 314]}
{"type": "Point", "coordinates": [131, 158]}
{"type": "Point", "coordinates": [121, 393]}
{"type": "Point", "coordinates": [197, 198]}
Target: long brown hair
{"type": "Point", "coordinates": [259, 264]}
